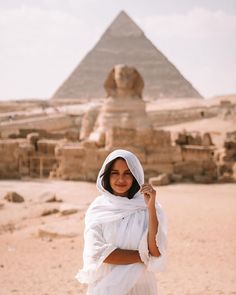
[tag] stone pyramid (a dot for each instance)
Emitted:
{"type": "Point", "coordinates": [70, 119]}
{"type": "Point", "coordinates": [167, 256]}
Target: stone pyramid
{"type": "Point", "coordinates": [125, 43]}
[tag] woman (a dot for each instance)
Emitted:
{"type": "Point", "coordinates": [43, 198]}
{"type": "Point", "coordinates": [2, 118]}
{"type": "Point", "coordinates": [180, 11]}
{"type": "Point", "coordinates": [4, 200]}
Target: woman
{"type": "Point", "coordinates": [125, 231]}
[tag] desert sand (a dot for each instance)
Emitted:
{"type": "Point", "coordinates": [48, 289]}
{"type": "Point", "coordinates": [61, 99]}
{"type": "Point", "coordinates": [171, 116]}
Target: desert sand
{"type": "Point", "coordinates": [201, 238]}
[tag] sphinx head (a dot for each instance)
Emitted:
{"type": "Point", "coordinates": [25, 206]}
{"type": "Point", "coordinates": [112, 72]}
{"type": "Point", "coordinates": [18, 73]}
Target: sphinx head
{"type": "Point", "coordinates": [124, 81]}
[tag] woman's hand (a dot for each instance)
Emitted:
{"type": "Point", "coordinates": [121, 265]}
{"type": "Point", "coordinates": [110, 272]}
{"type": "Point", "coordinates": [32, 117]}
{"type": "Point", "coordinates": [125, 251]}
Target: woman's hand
{"type": "Point", "coordinates": [149, 195]}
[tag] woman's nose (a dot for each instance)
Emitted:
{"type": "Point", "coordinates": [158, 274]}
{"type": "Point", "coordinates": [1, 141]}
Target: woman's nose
{"type": "Point", "coordinates": [120, 178]}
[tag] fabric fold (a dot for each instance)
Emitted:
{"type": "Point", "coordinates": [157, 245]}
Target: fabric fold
{"type": "Point", "coordinates": [155, 263]}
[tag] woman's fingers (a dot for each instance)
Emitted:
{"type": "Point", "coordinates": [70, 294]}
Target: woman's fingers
{"type": "Point", "coordinates": [147, 188]}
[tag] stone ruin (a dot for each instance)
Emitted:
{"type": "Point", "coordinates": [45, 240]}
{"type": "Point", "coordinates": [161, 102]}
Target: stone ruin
{"type": "Point", "coordinates": [227, 159]}
{"type": "Point", "coordinates": [121, 122]}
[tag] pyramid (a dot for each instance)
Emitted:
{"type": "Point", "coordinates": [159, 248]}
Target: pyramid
{"type": "Point", "coordinates": [125, 43]}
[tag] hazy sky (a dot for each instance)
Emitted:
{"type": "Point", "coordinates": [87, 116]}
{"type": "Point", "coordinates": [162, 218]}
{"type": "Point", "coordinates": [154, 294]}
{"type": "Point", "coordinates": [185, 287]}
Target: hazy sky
{"type": "Point", "coordinates": [42, 41]}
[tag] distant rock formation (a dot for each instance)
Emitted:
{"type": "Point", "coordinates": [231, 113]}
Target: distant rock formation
{"type": "Point", "coordinates": [125, 43]}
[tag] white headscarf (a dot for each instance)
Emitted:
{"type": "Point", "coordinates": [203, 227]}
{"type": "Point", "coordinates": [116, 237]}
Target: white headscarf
{"type": "Point", "coordinates": [132, 161]}
{"type": "Point", "coordinates": [108, 207]}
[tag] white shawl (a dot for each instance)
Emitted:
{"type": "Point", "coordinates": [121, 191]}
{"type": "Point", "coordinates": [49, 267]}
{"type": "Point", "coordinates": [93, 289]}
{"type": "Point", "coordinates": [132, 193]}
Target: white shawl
{"type": "Point", "coordinates": [107, 208]}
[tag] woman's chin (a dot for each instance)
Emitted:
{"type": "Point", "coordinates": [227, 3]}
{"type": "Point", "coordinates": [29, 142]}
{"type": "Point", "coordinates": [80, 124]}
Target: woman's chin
{"type": "Point", "coordinates": [121, 193]}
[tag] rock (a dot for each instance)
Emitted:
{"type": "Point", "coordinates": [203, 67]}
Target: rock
{"type": "Point", "coordinates": [8, 227]}
{"type": "Point", "coordinates": [67, 209]}
{"type": "Point", "coordinates": [47, 197]}
{"type": "Point", "coordinates": [47, 212]}
{"type": "Point", "coordinates": [62, 229]}
{"type": "Point", "coordinates": [162, 179]}
{"type": "Point", "coordinates": [14, 197]}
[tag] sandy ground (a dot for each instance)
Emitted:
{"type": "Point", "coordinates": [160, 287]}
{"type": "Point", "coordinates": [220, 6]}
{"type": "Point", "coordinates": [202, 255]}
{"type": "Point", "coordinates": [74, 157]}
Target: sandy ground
{"type": "Point", "coordinates": [201, 251]}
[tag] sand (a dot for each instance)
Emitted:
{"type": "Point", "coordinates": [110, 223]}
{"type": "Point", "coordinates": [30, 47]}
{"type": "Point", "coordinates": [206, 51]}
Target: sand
{"type": "Point", "coordinates": [201, 237]}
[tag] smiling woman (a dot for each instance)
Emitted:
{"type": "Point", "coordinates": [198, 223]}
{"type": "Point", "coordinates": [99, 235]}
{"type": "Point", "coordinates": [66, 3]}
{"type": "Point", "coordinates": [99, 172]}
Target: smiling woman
{"type": "Point", "coordinates": [121, 179]}
{"type": "Point", "coordinates": [125, 231]}
{"type": "Point", "coordinates": [118, 179]}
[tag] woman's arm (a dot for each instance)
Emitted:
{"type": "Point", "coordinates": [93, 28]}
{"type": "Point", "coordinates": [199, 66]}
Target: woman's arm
{"type": "Point", "coordinates": [150, 199]}
{"type": "Point", "coordinates": [152, 231]}
{"type": "Point", "coordinates": [120, 256]}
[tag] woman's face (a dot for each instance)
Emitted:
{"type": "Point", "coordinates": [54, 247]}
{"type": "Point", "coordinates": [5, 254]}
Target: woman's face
{"type": "Point", "coordinates": [121, 178]}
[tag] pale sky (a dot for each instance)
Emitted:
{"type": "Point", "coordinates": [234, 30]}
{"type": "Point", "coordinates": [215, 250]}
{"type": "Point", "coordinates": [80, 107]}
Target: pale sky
{"type": "Point", "coordinates": [42, 41]}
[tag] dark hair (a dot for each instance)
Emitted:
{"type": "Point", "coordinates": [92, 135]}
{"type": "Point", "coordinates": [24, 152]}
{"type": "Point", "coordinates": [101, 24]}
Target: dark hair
{"type": "Point", "coordinates": [106, 180]}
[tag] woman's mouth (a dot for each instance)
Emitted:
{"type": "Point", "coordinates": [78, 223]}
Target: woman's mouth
{"type": "Point", "coordinates": [121, 185]}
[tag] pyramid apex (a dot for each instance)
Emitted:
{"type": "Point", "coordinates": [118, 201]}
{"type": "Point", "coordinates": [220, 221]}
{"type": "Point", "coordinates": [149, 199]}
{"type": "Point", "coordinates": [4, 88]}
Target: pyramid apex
{"type": "Point", "coordinates": [123, 25]}
{"type": "Point", "coordinates": [123, 13]}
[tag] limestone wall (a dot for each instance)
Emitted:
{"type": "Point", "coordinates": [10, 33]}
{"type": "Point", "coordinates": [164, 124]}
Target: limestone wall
{"type": "Point", "coordinates": [154, 149]}
{"type": "Point", "coordinates": [66, 160]}
{"type": "Point", "coordinates": [52, 123]}
{"type": "Point", "coordinates": [76, 162]}
{"type": "Point", "coordinates": [25, 157]}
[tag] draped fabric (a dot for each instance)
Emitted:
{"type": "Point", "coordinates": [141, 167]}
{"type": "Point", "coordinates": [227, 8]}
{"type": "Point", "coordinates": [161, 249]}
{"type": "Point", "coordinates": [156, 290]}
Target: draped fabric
{"type": "Point", "coordinates": [113, 222]}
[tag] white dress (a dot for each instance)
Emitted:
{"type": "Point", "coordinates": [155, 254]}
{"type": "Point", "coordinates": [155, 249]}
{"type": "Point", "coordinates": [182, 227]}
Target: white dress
{"type": "Point", "coordinates": [129, 232]}
{"type": "Point", "coordinates": [113, 222]}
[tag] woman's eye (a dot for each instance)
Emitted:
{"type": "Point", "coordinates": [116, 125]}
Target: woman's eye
{"type": "Point", "coordinates": [128, 173]}
{"type": "Point", "coordinates": [114, 172]}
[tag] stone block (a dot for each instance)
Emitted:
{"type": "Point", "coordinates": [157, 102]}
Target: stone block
{"type": "Point", "coordinates": [46, 146]}
{"type": "Point", "coordinates": [72, 135]}
{"type": "Point", "coordinates": [119, 137]}
{"type": "Point", "coordinates": [176, 177]}
{"type": "Point", "coordinates": [72, 151]}
{"type": "Point", "coordinates": [161, 138]}
{"type": "Point", "coordinates": [188, 169]}
{"type": "Point", "coordinates": [9, 163]}
{"type": "Point", "coordinates": [197, 153]}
